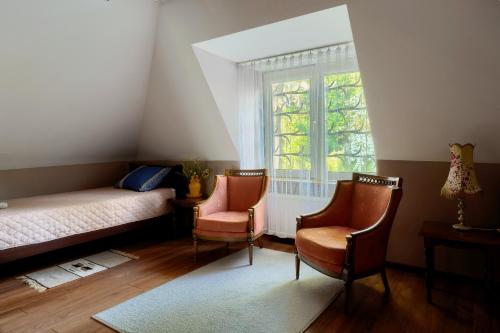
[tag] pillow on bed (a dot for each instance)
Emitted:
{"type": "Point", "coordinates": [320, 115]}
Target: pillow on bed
{"type": "Point", "coordinates": [175, 178]}
{"type": "Point", "coordinates": [144, 178]}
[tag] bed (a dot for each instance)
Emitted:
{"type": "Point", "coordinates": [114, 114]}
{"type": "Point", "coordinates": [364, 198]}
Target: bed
{"type": "Point", "coordinates": [43, 223]}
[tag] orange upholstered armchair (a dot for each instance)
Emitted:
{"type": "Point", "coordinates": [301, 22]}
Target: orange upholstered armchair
{"type": "Point", "coordinates": [348, 238]}
{"type": "Point", "coordinates": [235, 211]}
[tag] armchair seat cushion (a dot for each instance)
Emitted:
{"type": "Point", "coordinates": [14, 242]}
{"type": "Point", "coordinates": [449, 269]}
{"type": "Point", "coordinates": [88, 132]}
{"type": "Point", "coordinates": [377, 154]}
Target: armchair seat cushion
{"type": "Point", "coordinates": [324, 246]}
{"type": "Point", "coordinates": [224, 221]}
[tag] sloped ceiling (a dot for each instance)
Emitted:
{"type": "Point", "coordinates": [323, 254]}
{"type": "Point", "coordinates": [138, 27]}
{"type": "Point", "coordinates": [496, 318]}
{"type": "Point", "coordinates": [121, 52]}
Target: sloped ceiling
{"type": "Point", "coordinates": [75, 75]}
{"type": "Point", "coordinates": [322, 28]}
{"type": "Point", "coordinates": [73, 80]}
{"type": "Point", "coordinates": [218, 57]}
{"type": "Point", "coordinates": [182, 119]}
{"type": "Point", "coordinates": [430, 70]}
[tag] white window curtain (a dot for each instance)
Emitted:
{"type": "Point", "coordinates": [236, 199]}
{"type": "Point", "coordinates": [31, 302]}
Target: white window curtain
{"type": "Point", "coordinates": [272, 92]}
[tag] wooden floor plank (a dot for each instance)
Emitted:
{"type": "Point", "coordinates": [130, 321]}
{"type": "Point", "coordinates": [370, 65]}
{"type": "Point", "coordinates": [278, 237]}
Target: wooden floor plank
{"type": "Point", "coordinates": [82, 327]}
{"type": "Point", "coordinates": [72, 323]}
{"type": "Point", "coordinates": [69, 308]}
{"type": "Point", "coordinates": [15, 315]}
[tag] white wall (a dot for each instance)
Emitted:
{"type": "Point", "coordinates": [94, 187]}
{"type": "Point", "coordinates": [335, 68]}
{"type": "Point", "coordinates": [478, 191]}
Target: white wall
{"type": "Point", "coordinates": [221, 76]}
{"type": "Point", "coordinates": [73, 79]}
{"type": "Point", "coordinates": [182, 120]}
{"type": "Point", "coordinates": [430, 70]}
{"type": "Point", "coordinates": [74, 76]}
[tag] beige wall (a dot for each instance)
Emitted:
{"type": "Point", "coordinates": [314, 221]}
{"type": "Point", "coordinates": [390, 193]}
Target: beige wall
{"type": "Point", "coordinates": [431, 76]}
{"type": "Point", "coordinates": [216, 168]}
{"type": "Point", "coordinates": [421, 200]}
{"type": "Point", "coordinates": [18, 183]}
{"type": "Point", "coordinates": [73, 80]}
{"type": "Point", "coordinates": [36, 181]}
{"type": "Point", "coordinates": [422, 182]}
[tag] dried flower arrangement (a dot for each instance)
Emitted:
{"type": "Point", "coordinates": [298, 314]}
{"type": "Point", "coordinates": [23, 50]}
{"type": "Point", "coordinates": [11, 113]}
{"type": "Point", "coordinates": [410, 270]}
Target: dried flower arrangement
{"type": "Point", "coordinates": [195, 169]}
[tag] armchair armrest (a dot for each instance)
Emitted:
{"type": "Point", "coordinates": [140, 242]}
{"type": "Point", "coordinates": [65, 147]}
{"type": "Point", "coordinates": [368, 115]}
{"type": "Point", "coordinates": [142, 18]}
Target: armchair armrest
{"type": "Point", "coordinates": [367, 248]}
{"type": "Point", "coordinates": [337, 212]}
{"type": "Point", "coordinates": [216, 202]}
{"type": "Point", "coordinates": [257, 212]}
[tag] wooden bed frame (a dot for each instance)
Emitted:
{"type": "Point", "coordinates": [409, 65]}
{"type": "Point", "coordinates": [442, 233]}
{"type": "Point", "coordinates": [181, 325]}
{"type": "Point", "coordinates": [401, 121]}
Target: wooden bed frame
{"type": "Point", "coordinates": [20, 252]}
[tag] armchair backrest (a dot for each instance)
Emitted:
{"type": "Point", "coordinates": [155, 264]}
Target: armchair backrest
{"type": "Point", "coordinates": [371, 197]}
{"type": "Point", "coordinates": [367, 248]}
{"type": "Point", "coordinates": [244, 188]}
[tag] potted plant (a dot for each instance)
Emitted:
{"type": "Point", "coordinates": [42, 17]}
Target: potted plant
{"type": "Point", "coordinates": [195, 172]}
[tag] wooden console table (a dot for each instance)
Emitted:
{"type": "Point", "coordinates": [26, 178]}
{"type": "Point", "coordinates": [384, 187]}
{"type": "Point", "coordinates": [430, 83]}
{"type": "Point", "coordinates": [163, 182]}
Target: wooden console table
{"type": "Point", "coordinates": [439, 233]}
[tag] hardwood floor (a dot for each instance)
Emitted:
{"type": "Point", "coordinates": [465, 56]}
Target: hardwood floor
{"type": "Point", "coordinates": [68, 308]}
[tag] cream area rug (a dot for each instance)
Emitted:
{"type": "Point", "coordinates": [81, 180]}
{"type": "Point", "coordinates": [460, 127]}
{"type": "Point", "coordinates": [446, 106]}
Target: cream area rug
{"type": "Point", "coordinates": [55, 276]}
{"type": "Point", "coordinates": [228, 295]}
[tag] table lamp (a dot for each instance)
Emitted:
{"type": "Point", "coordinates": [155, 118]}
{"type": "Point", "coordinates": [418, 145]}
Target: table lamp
{"type": "Point", "coordinates": [461, 180]}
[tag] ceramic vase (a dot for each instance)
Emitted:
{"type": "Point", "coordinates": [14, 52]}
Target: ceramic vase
{"type": "Point", "coordinates": [194, 187]}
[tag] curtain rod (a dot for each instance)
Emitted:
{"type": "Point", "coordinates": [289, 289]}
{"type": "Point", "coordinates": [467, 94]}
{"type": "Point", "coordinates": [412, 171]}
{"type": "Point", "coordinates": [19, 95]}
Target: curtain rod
{"type": "Point", "coordinates": [295, 52]}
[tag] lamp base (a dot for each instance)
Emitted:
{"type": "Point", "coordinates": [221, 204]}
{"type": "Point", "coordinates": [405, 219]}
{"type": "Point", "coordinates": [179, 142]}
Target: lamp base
{"type": "Point", "coordinates": [461, 217]}
{"type": "Point", "coordinates": [461, 226]}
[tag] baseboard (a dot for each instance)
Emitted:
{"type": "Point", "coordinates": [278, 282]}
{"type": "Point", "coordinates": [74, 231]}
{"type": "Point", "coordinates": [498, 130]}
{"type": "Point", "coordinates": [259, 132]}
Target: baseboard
{"type": "Point", "coordinates": [438, 273]}
{"type": "Point", "coordinates": [277, 239]}
{"type": "Point", "coordinates": [405, 267]}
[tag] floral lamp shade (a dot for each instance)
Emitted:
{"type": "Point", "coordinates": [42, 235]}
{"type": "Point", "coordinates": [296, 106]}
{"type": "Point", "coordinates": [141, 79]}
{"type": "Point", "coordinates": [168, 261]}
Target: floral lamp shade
{"type": "Point", "coordinates": [462, 178]}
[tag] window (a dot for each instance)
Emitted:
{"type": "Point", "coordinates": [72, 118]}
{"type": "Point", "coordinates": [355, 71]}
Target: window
{"type": "Point", "coordinates": [316, 124]}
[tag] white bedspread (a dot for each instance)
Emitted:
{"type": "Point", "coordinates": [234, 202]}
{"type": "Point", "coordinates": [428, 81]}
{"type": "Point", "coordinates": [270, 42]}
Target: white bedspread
{"type": "Point", "coordinates": [43, 218]}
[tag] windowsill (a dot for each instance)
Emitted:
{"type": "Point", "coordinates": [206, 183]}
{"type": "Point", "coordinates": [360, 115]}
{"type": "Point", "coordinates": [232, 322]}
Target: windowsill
{"type": "Point", "coordinates": [342, 176]}
{"type": "Point", "coordinates": [304, 181]}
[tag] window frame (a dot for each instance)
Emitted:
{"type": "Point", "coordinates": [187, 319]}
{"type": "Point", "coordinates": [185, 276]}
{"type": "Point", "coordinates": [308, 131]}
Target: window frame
{"type": "Point", "coordinates": [316, 73]}
{"type": "Point", "coordinates": [269, 79]}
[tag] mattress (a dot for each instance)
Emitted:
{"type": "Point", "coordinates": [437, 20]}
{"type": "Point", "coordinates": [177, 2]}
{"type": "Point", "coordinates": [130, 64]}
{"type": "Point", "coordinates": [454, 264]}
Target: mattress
{"type": "Point", "coordinates": [44, 218]}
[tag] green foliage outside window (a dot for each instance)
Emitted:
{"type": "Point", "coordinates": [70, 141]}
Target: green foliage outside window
{"type": "Point", "coordinates": [291, 111]}
{"type": "Point", "coordinates": [348, 144]}
{"type": "Point", "coordinates": [348, 132]}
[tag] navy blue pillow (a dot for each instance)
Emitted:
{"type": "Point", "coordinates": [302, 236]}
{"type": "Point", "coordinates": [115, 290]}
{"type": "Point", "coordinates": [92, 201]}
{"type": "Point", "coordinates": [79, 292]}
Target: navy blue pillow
{"type": "Point", "coordinates": [144, 178]}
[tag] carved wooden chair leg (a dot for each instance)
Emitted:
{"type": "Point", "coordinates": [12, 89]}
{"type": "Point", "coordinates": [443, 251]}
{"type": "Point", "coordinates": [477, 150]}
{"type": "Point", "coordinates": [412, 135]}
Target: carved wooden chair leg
{"type": "Point", "coordinates": [297, 266]}
{"type": "Point", "coordinates": [259, 241]}
{"type": "Point", "coordinates": [387, 288]}
{"type": "Point", "coordinates": [348, 287]}
{"type": "Point", "coordinates": [195, 243]}
{"type": "Point", "coordinates": [250, 252]}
